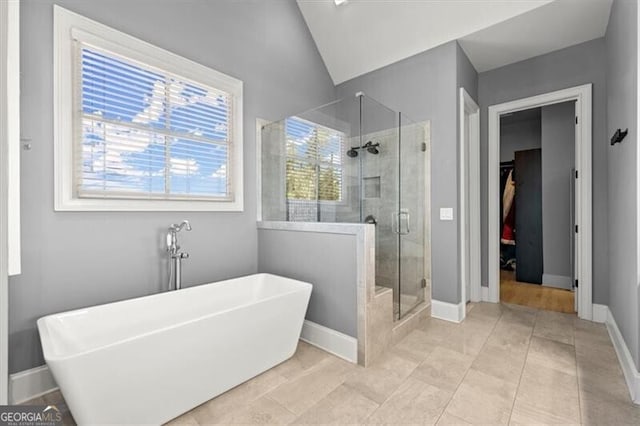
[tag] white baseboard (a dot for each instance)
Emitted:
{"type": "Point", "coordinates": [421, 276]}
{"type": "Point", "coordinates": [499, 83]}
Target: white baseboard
{"type": "Point", "coordinates": [447, 311]}
{"type": "Point", "coordinates": [330, 340]}
{"type": "Point", "coordinates": [631, 374]}
{"type": "Point", "coordinates": [29, 384]}
{"type": "Point", "coordinates": [600, 313]}
{"type": "Point", "coordinates": [485, 293]}
{"type": "Point", "coordinates": [557, 281]}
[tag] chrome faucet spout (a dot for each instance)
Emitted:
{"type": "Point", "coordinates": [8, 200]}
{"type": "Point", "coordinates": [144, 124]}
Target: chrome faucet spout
{"type": "Point", "coordinates": [178, 227]}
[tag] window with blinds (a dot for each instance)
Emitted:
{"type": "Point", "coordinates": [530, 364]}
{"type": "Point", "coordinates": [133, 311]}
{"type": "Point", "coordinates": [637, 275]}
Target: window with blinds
{"type": "Point", "coordinates": [138, 128]}
{"type": "Point", "coordinates": [314, 161]}
{"type": "Point", "coordinates": [143, 132]}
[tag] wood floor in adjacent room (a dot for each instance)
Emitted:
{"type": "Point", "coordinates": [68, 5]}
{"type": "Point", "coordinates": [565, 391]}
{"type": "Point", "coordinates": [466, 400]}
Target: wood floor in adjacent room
{"type": "Point", "coordinates": [534, 295]}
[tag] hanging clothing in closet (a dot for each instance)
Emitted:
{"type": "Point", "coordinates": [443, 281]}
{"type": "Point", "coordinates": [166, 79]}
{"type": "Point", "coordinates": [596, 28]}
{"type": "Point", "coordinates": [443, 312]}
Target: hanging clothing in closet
{"type": "Point", "coordinates": [507, 207]}
{"type": "Point", "coordinates": [508, 211]}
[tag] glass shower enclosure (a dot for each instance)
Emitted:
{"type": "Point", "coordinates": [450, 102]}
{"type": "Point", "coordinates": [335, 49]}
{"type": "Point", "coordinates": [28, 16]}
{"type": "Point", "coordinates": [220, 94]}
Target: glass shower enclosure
{"type": "Point", "coordinates": [355, 161]}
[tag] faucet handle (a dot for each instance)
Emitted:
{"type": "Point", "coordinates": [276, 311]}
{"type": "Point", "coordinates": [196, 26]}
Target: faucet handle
{"type": "Point", "coordinates": [172, 241]}
{"type": "Point", "coordinates": [169, 240]}
{"type": "Point", "coordinates": [184, 255]}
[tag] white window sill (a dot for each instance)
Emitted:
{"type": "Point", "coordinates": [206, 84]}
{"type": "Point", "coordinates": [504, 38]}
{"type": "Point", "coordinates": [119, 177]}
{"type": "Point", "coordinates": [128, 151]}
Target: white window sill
{"type": "Point", "coordinates": [148, 205]}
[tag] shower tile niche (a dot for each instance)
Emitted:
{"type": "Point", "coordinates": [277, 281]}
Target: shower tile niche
{"type": "Point", "coordinates": [371, 187]}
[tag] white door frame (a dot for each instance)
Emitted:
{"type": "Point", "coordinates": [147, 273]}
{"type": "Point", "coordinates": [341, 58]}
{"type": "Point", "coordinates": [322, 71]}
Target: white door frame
{"type": "Point", "coordinates": [9, 161]}
{"type": "Point", "coordinates": [469, 183]}
{"type": "Point", "coordinates": [583, 207]}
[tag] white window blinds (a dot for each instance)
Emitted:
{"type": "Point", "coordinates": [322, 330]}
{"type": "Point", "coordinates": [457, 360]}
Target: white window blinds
{"type": "Point", "coordinates": [144, 133]}
{"type": "Point", "coordinates": [314, 161]}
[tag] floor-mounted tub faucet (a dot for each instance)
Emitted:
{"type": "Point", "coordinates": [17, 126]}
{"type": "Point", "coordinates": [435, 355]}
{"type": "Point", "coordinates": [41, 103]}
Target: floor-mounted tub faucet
{"type": "Point", "coordinates": [175, 255]}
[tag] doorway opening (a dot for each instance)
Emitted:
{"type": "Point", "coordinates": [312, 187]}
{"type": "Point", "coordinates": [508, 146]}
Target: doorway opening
{"type": "Point", "coordinates": [577, 192]}
{"type": "Point", "coordinates": [537, 178]}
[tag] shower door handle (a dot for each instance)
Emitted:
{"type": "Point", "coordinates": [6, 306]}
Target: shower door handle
{"type": "Point", "coordinates": [403, 213]}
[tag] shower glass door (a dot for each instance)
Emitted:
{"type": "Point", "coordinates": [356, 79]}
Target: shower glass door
{"type": "Point", "coordinates": [411, 213]}
{"type": "Point", "coordinates": [379, 200]}
{"type": "Point", "coordinates": [392, 169]}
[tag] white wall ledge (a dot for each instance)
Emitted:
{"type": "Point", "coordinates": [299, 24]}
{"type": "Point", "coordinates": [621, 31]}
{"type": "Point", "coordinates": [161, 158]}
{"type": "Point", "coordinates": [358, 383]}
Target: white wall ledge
{"type": "Point", "coordinates": [322, 227]}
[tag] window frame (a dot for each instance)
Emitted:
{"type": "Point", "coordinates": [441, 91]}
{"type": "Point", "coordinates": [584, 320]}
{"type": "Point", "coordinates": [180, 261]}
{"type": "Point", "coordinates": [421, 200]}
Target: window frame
{"type": "Point", "coordinates": [343, 195]}
{"type": "Point", "coordinates": [69, 25]}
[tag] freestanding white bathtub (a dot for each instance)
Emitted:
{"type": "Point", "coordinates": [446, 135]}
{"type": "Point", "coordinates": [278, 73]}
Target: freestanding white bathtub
{"type": "Point", "coordinates": [148, 360]}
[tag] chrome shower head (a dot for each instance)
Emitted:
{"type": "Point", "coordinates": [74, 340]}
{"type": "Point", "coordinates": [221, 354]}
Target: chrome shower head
{"type": "Point", "coordinates": [372, 147]}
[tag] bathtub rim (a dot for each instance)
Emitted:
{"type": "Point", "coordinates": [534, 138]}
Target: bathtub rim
{"type": "Point", "coordinates": [43, 330]}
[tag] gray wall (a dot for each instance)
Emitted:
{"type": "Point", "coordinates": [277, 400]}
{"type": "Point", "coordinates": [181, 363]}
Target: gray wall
{"type": "Point", "coordinates": [622, 109]}
{"type": "Point", "coordinates": [519, 132]}
{"type": "Point", "coordinates": [304, 256]}
{"type": "Point", "coordinates": [573, 66]}
{"type": "Point", "coordinates": [558, 158]}
{"type": "Point", "coordinates": [424, 87]}
{"type": "Point", "coordinates": [466, 74]}
{"type": "Point", "coordinates": [72, 260]}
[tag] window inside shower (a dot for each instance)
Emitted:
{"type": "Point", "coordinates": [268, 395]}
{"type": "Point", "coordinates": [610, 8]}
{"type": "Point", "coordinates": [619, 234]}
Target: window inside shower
{"type": "Point", "coordinates": [313, 168]}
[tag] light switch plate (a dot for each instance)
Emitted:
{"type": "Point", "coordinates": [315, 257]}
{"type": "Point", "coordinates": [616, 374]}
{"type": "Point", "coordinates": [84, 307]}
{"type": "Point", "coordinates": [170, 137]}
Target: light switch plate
{"type": "Point", "coordinates": [446, 213]}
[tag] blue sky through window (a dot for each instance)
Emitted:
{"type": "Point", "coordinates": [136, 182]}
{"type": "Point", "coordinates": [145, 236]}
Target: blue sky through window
{"type": "Point", "coordinates": [145, 131]}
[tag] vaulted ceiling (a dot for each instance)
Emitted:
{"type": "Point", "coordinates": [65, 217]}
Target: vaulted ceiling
{"type": "Point", "coordinates": [359, 36]}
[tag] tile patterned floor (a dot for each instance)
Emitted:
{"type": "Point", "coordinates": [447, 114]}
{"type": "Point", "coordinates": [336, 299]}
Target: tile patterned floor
{"type": "Point", "coordinates": [505, 364]}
